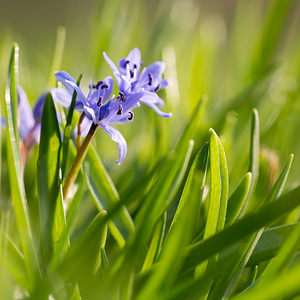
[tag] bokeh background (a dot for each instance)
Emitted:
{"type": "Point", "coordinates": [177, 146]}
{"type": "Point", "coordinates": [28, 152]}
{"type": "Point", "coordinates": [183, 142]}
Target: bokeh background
{"type": "Point", "coordinates": [241, 54]}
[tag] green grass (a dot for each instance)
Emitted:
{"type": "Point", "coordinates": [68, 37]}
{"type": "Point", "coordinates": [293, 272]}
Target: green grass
{"type": "Point", "coordinates": [206, 204]}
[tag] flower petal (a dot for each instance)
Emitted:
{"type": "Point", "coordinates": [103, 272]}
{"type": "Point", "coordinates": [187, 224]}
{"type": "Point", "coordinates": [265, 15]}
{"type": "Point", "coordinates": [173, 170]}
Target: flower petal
{"type": "Point", "coordinates": [26, 119]}
{"type": "Point", "coordinates": [62, 96]}
{"type": "Point", "coordinates": [150, 99]}
{"type": "Point", "coordinates": [156, 68]}
{"type": "Point", "coordinates": [38, 107]}
{"type": "Point", "coordinates": [117, 137]}
{"type": "Point", "coordinates": [65, 78]}
{"type": "Point", "coordinates": [85, 127]}
{"type": "Point", "coordinates": [111, 64]}
{"type": "Point", "coordinates": [134, 57]}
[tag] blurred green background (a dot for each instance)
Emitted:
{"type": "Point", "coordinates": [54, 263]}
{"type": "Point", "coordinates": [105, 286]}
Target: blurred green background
{"type": "Point", "coordinates": [241, 54]}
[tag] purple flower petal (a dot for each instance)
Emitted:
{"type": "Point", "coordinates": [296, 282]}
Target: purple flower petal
{"type": "Point", "coordinates": [150, 100]}
{"type": "Point", "coordinates": [85, 127]}
{"type": "Point", "coordinates": [117, 137]}
{"type": "Point", "coordinates": [65, 78]}
{"type": "Point", "coordinates": [63, 97]}
{"type": "Point", "coordinates": [38, 107]}
{"type": "Point", "coordinates": [111, 64]}
{"type": "Point", "coordinates": [26, 119]}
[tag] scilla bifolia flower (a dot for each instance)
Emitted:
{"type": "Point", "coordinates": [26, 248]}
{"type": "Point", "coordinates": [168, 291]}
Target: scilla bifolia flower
{"type": "Point", "coordinates": [131, 79]}
{"type": "Point", "coordinates": [101, 109]}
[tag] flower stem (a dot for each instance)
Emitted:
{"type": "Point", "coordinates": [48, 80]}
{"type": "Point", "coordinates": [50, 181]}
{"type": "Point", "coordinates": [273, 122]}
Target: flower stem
{"type": "Point", "coordinates": [79, 131]}
{"type": "Point", "coordinates": [78, 160]}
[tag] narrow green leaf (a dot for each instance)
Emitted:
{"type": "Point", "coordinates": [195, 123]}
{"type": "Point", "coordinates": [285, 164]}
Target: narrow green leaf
{"type": "Point", "coordinates": [105, 195]}
{"type": "Point", "coordinates": [13, 262]}
{"type": "Point", "coordinates": [238, 260]}
{"type": "Point", "coordinates": [237, 199]}
{"type": "Point", "coordinates": [224, 186]}
{"type": "Point", "coordinates": [14, 165]}
{"type": "Point", "coordinates": [68, 131]}
{"type": "Point", "coordinates": [215, 187]}
{"type": "Point", "coordinates": [241, 228]}
{"type": "Point", "coordinates": [59, 221]}
{"type": "Point", "coordinates": [48, 172]}
{"type": "Point", "coordinates": [254, 158]}
{"type": "Point", "coordinates": [63, 242]}
{"type": "Point", "coordinates": [156, 243]}
{"type": "Point", "coordinates": [76, 293]}
{"type": "Point", "coordinates": [270, 242]}
{"type": "Point", "coordinates": [283, 286]}
{"type": "Point", "coordinates": [181, 231]}
{"type": "Point", "coordinates": [89, 244]}
{"type": "Point", "coordinates": [58, 53]}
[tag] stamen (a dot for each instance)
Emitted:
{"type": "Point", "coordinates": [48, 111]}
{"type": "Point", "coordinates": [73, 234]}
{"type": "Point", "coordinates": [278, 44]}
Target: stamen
{"type": "Point", "coordinates": [131, 115]}
{"type": "Point", "coordinates": [98, 84]}
{"type": "Point", "coordinates": [104, 86]}
{"type": "Point", "coordinates": [157, 88]}
{"type": "Point", "coordinates": [121, 97]}
{"type": "Point", "coordinates": [99, 103]}
{"type": "Point", "coordinates": [125, 63]}
{"type": "Point", "coordinates": [135, 66]}
{"type": "Point", "coordinates": [131, 74]}
{"type": "Point", "coordinates": [120, 111]}
{"type": "Point", "coordinates": [150, 79]}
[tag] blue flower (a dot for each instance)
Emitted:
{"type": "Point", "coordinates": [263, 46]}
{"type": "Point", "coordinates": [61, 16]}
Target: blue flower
{"type": "Point", "coordinates": [29, 121]}
{"type": "Point", "coordinates": [131, 79]}
{"type": "Point", "coordinates": [100, 109]}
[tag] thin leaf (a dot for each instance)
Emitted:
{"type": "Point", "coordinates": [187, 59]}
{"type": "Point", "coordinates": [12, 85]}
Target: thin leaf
{"type": "Point", "coordinates": [270, 242]}
{"type": "Point", "coordinates": [48, 172]}
{"type": "Point", "coordinates": [241, 228]}
{"type": "Point", "coordinates": [181, 231]}
{"type": "Point", "coordinates": [156, 243]}
{"type": "Point", "coordinates": [14, 165]}
{"type": "Point", "coordinates": [254, 158]}
{"type": "Point", "coordinates": [68, 131]}
{"type": "Point", "coordinates": [58, 53]}
{"type": "Point", "coordinates": [236, 200]}
{"type": "Point", "coordinates": [105, 195]}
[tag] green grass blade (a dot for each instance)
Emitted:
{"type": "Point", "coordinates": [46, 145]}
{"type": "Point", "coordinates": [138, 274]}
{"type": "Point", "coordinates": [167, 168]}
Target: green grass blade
{"type": "Point", "coordinates": [87, 247]}
{"type": "Point", "coordinates": [14, 165]}
{"type": "Point", "coordinates": [254, 158]}
{"type": "Point", "coordinates": [243, 227]}
{"type": "Point", "coordinates": [156, 243]}
{"type": "Point", "coordinates": [283, 286]}
{"type": "Point", "coordinates": [236, 200]}
{"type": "Point", "coordinates": [224, 186]}
{"type": "Point", "coordinates": [48, 172]}
{"type": "Point", "coordinates": [181, 231]}
{"type": "Point", "coordinates": [68, 131]}
{"type": "Point", "coordinates": [106, 196]}
{"type": "Point", "coordinates": [59, 221]}
{"type": "Point", "coordinates": [239, 259]}
{"type": "Point", "coordinates": [215, 187]}
{"type": "Point", "coordinates": [270, 242]}
{"type": "Point", "coordinates": [58, 53]}
{"type": "Point", "coordinates": [63, 243]}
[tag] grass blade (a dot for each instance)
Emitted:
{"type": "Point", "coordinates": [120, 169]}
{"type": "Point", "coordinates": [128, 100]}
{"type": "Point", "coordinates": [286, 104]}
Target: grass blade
{"type": "Point", "coordinates": [106, 196]}
{"type": "Point", "coordinates": [237, 199]}
{"type": "Point", "coordinates": [241, 228]}
{"type": "Point", "coordinates": [58, 53]}
{"type": "Point", "coordinates": [181, 231]}
{"type": "Point", "coordinates": [156, 243]}
{"type": "Point", "coordinates": [48, 173]}
{"type": "Point", "coordinates": [14, 166]}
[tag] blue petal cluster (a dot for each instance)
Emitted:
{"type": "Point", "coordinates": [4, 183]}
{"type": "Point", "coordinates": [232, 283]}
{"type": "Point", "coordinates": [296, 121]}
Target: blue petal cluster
{"type": "Point", "coordinates": [103, 109]}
